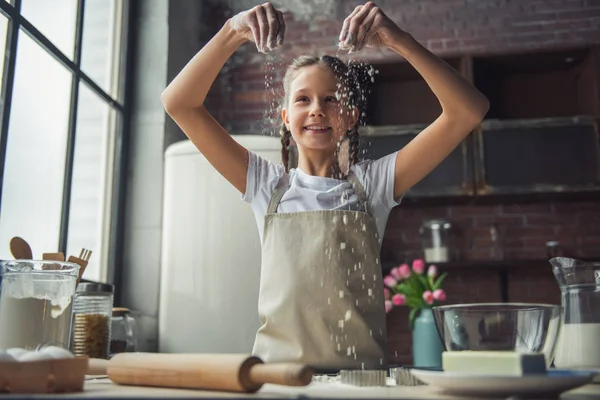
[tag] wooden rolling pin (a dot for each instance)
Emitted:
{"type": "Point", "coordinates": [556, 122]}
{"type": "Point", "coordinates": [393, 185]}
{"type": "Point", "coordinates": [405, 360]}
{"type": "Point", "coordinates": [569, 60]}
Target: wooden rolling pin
{"type": "Point", "coordinates": [228, 372]}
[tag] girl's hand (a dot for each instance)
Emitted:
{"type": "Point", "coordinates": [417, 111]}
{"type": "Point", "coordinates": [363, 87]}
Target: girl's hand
{"type": "Point", "coordinates": [367, 26]}
{"type": "Point", "coordinates": [262, 25]}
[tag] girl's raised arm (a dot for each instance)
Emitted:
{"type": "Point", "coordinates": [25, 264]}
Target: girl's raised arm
{"type": "Point", "coordinates": [184, 98]}
{"type": "Point", "coordinates": [463, 106]}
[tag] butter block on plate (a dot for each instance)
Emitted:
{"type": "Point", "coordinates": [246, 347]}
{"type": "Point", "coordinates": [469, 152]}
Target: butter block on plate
{"type": "Point", "coordinates": [504, 363]}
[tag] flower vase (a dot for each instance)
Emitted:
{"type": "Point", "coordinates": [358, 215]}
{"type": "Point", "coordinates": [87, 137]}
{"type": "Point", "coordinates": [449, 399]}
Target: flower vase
{"type": "Point", "coordinates": [427, 347]}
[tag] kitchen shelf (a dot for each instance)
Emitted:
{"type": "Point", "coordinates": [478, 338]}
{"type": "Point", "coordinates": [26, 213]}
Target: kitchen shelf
{"type": "Point", "coordinates": [491, 265]}
{"type": "Point", "coordinates": [540, 138]}
{"type": "Point", "coordinates": [548, 83]}
{"type": "Point", "coordinates": [452, 178]}
{"type": "Point", "coordinates": [544, 155]}
{"type": "Point", "coordinates": [400, 96]}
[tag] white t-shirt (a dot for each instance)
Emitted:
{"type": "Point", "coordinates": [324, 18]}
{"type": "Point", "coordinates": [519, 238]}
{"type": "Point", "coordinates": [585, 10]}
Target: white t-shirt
{"type": "Point", "coordinates": [310, 193]}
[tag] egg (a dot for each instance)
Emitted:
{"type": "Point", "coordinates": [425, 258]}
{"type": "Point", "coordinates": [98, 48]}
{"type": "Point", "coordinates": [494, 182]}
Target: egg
{"type": "Point", "coordinates": [35, 356]}
{"type": "Point", "coordinates": [57, 352]}
{"type": "Point", "coordinates": [5, 356]}
{"type": "Point", "coordinates": [16, 353]}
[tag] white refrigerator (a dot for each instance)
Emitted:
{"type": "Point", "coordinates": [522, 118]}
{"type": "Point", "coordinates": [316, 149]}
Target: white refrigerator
{"type": "Point", "coordinates": [210, 262]}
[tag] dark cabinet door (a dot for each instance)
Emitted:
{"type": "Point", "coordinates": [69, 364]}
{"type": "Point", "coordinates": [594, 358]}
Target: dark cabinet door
{"type": "Point", "coordinates": [453, 177]}
{"type": "Point", "coordinates": [538, 156]}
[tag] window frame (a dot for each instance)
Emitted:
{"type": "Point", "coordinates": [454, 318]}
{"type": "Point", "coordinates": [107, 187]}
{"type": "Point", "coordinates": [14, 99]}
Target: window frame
{"type": "Point", "coordinates": [120, 104]}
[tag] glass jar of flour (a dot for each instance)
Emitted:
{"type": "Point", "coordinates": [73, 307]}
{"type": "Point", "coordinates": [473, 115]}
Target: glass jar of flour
{"type": "Point", "coordinates": [92, 312]}
{"type": "Point", "coordinates": [36, 303]}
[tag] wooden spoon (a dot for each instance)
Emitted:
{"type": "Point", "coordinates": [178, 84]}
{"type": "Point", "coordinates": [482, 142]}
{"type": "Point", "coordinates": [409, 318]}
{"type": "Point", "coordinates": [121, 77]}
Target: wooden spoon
{"type": "Point", "coordinates": [20, 249]}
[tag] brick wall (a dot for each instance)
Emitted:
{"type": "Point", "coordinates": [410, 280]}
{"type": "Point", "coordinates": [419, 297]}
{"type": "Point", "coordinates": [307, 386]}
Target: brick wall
{"type": "Point", "coordinates": [525, 228]}
{"type": "Point", "coordinates": [445, 27]}
{"type": "Point", "coordinates": [243, 102]}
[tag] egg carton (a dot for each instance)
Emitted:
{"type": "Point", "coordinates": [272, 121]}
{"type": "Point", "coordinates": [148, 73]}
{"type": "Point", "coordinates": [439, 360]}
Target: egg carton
{"type": "Point", "coordinates": [56, 375]}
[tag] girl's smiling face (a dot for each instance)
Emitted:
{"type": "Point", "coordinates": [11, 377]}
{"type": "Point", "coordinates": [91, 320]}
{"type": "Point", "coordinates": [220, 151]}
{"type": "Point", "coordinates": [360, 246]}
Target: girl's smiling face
{"type": "Point", "coordinates": [317, 115]}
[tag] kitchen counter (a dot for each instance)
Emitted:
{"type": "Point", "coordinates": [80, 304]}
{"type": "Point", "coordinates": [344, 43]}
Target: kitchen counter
{"type": "Point", "coordinates": [105, 389]}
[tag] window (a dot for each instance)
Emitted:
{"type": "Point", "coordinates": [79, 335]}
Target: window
{"type": "Point", "coordinates": [62, 122]}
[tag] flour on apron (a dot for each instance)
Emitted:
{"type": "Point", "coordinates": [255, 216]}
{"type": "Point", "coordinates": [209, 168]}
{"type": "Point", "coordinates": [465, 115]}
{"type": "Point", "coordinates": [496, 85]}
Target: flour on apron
{"type": "Point", "coordinates": [321, 290]}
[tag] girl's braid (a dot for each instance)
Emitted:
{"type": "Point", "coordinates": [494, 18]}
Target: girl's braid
{"type": "Point", "coordinates": [354, 138]}
{"type": "Point", "coordinates": [285, 146]}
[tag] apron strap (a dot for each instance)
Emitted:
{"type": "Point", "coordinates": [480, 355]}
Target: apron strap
{"type": "Point", "coordinates": [280, 189]}
{"type": "Point", "coordinates": [360, 192]}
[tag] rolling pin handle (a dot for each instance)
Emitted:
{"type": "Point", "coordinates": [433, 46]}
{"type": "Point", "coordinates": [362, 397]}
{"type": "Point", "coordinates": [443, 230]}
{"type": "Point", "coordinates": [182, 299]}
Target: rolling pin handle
{"type": "Point", "coordinates": [97, 366]}
{"type": "Point", "coordinates": [281, 374]}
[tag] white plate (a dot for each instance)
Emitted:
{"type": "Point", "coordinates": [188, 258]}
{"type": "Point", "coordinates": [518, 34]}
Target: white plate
{"type": "Point", "coordinates": [553, 382]}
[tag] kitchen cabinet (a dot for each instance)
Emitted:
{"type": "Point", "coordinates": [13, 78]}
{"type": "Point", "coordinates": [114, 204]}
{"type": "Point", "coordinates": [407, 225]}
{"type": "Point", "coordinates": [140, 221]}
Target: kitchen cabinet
{"type": "Point", "coordinates": [538, 156]}
{"type": "Point", "coordinates": [541, 133]}
{"type": "Point", "coordinates": [401, 105]}
{"type": "Point", "coordinates": [453, 177]}
{"type": "Point", "coordinates": [540, 136]}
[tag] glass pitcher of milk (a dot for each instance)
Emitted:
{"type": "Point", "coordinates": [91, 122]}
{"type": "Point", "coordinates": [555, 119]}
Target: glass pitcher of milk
{"type": "Point", "coordinates": [578, 345]}
{"type": "Point", "coordinates": [36, 303]}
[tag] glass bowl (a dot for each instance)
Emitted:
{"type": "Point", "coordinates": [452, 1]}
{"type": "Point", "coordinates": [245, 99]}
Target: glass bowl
{"type": "Point", "coordinates": [520, 327]}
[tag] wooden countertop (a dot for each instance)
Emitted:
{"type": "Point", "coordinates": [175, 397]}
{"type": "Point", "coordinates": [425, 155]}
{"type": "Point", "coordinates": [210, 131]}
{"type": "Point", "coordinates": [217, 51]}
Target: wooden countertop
{"type": "Point", "coordinates": [105, 389]}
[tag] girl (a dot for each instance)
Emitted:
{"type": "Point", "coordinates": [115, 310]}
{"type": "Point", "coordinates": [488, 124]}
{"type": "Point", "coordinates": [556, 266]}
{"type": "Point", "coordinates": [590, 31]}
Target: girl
{"type": "Point", "coordinates": [321, 293]}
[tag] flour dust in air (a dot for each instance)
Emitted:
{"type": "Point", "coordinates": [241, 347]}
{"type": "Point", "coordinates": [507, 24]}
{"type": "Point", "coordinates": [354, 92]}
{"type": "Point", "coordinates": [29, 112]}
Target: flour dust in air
{"type": "Point", "coordinates": [352, 90]}
{"type": "Point", "coordinates": [271, 121]}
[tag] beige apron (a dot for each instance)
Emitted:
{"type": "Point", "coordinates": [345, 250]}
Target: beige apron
{"type": "Point", "coordinates": [321, 289]}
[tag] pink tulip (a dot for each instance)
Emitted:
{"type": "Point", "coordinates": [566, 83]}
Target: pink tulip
{"type": "Point", "coordinates": [386, 293]}
{"type": "Point", "coordinates": [432, 271]}
{"type": "Point", "coordinates": [418, 266]}
{"type": "Point", "coordinates": [439, 295]}
{"type": "Point", "coordinates": [395, 272]}
{"type": "Point", "coordinates": [428, 297]}
{"type": "Point", "coordinates": [398, 299]}
{"type": "Point", "coordinates": [404, 271]}
{"type": "Point", "coordinates": [388, 306]}
{"type": "Point", "coordinates": [389, 281]}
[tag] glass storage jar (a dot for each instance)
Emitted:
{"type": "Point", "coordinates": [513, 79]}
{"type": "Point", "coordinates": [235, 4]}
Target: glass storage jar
{"type": "Point", "coordinates": [123, 333]}
{"type": "Point", "coordinates": [36, 303]}
{"type": "Point", "coordinates": [92, 311]}
{"type": "Point", "coordinates": [436, 240]}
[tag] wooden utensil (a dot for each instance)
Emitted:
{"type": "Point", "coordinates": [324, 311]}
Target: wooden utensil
{"type": "Point", "coordinates": [20, 249]}
{"type": "Point", "coordinates": [227, 372]}
{"type": "Point", "coordinates": [82, 260]}
{"type": "Point", "coordinates": [53, 256]}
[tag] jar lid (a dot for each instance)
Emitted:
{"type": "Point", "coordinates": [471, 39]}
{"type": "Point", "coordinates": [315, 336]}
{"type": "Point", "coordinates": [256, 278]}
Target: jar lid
{"type": "Point", "coordinates": [95, 287]}
{"type": "Point", "coordinates": [119, 311]}
{"type": "Point", "coordinates": [437, 224]}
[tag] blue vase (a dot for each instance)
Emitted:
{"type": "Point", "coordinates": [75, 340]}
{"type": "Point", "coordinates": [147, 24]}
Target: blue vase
{"type": "Point", "coordinates": [427, 346]}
